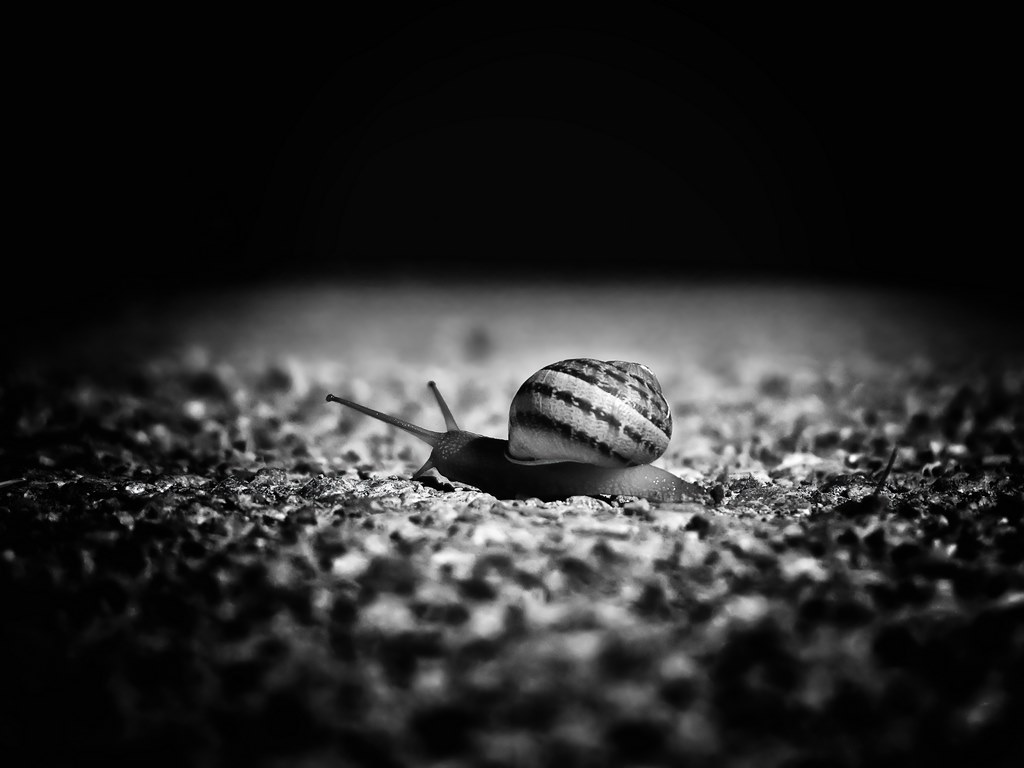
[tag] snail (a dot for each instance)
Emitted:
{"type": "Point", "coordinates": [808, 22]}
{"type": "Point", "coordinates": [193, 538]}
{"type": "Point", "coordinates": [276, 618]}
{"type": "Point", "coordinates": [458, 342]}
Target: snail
{"type": "Point", "coordinates": [578, 427]}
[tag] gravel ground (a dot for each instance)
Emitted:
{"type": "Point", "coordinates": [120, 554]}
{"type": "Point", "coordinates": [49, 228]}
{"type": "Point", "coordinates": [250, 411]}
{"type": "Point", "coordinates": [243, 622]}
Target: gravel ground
{"type": "Point", "coordinates": [203, 563]}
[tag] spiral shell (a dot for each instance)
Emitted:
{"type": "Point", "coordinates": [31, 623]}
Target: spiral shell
{"type": "Point", "coordinates": [609, 414]}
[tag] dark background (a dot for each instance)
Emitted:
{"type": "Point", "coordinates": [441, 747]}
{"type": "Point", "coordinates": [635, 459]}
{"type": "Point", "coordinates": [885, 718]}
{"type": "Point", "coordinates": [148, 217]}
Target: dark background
{"type": "Point", "coordinates": [168, 155]}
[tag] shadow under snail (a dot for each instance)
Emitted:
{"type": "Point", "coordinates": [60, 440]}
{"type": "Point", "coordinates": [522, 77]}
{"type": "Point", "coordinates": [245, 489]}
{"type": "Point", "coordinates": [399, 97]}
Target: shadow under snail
{"type": "Point", "coordinates": [578, 427]}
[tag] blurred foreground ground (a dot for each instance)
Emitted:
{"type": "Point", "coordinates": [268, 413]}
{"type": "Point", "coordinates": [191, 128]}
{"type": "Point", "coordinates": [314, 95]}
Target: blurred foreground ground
{"type": "Point", "coordinates": [205, 564]}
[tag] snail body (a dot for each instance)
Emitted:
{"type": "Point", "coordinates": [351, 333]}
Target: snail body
{"type": "Point", "coordinates": [576, 428]}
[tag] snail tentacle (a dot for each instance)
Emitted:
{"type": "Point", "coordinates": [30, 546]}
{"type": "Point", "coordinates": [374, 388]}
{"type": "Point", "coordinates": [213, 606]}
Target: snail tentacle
{"type": "Point", "coordinates": [428, 436]}
{"type": "Point", "coordinates": [449, 420]}
{"type": "Point", "coordinates": [427, 466]}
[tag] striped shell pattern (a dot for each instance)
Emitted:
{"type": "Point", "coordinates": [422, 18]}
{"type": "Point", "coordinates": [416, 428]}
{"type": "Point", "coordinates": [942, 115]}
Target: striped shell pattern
{"type": "Point", "coordinates": [609, 414]}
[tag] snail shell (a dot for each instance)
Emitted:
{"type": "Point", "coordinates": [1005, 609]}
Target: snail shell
{"type": "Point", "coordinates": [605, 413]}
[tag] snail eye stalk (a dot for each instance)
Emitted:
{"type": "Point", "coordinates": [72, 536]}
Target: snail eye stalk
{"type": "Point", "coordinates": [426, 435]}
{"type": "Point", "coordinates": [449, 419]}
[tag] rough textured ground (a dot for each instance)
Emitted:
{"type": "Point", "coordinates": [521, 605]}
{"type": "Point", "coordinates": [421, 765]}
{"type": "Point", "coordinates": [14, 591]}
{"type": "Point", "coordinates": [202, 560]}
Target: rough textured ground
{"type": "Point", "coordinates": [202, 563]}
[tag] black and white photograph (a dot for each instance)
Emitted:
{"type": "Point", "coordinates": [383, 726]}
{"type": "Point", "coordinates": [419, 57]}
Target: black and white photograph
{"type": "Point", "coordinates": [504, 385]}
